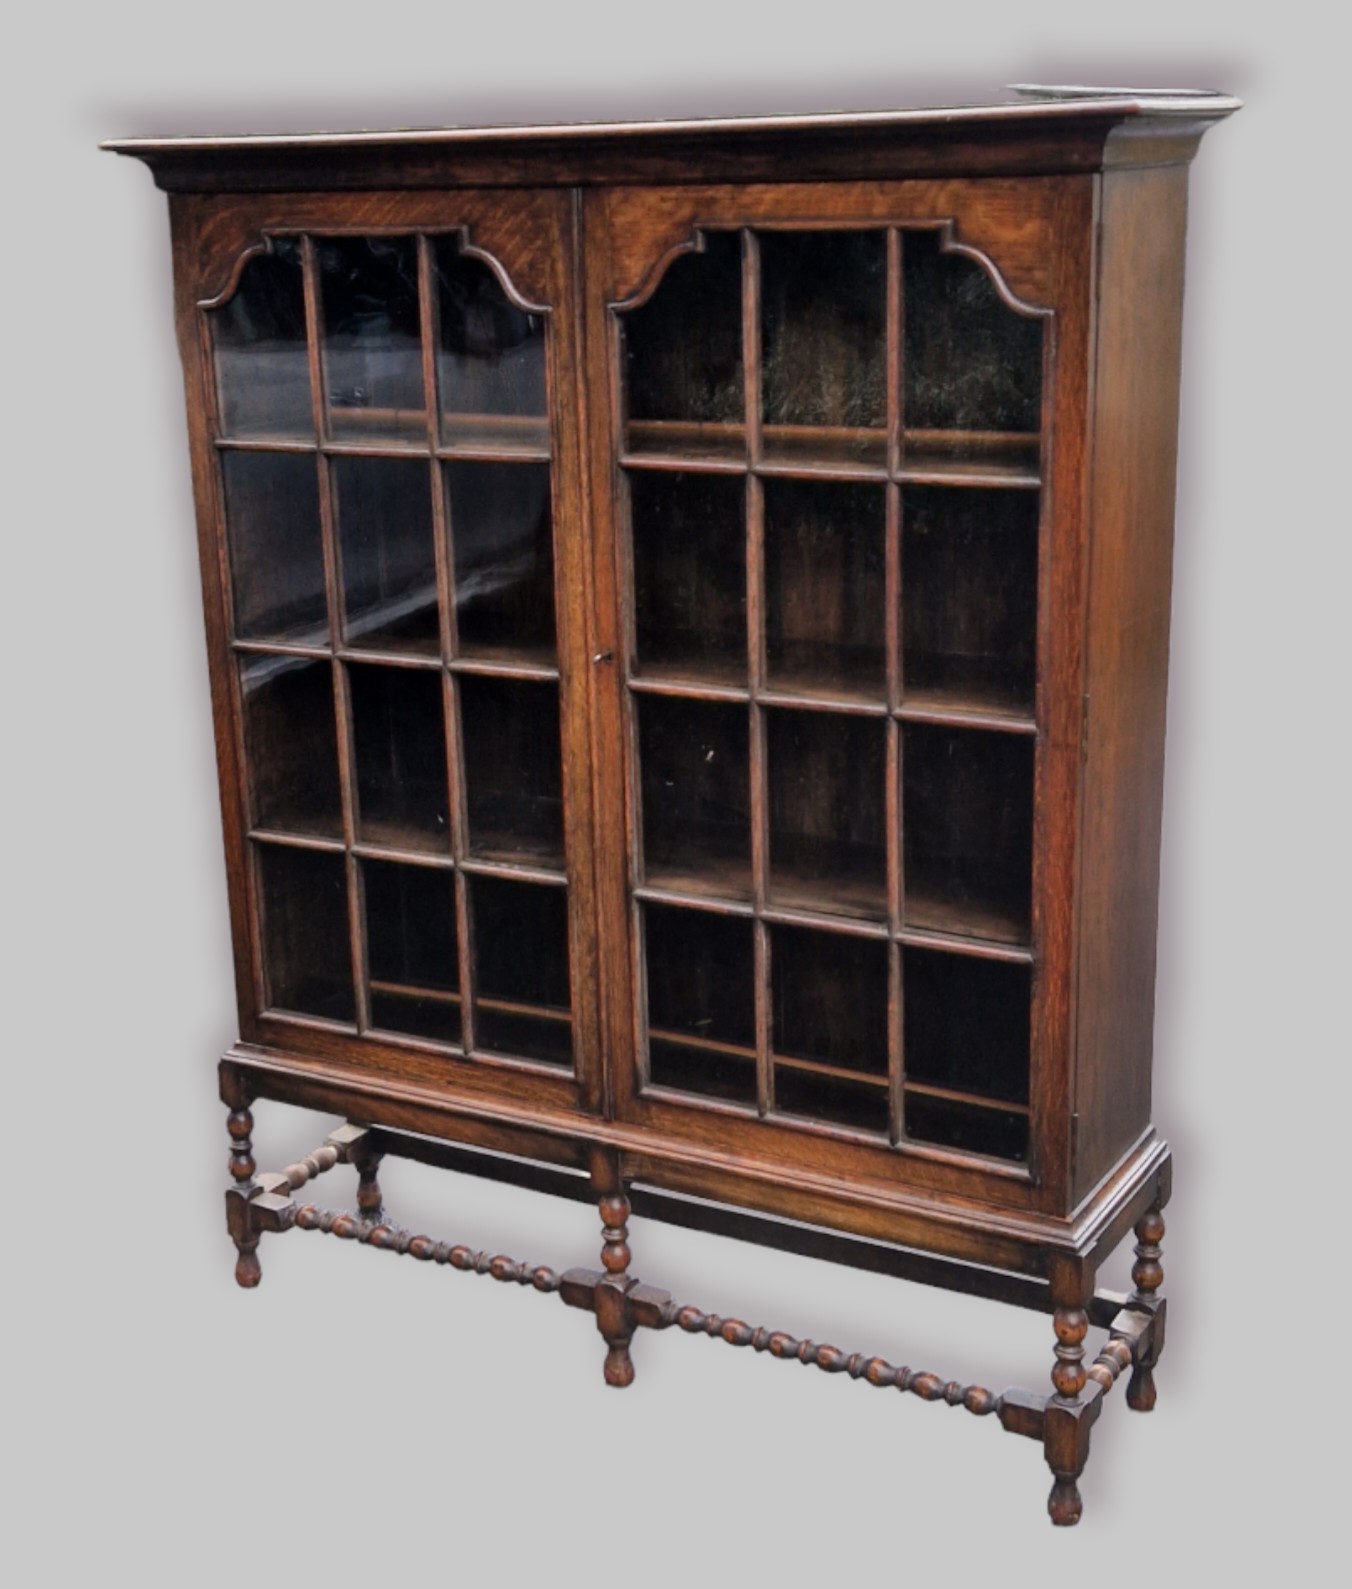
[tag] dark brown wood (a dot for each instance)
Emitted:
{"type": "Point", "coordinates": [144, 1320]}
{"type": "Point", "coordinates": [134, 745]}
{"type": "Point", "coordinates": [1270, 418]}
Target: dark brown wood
{"type": "Point", "coordinates": [884, 607]}
{"type": "Point", "coordinates": [1082, 133]}
{"type": "Point", "coordinates": [1147, 1276]}
{"type": "Point", "coordinates": [614, 1318]}
{"type": "Point", "coordinates": [1130, 531]}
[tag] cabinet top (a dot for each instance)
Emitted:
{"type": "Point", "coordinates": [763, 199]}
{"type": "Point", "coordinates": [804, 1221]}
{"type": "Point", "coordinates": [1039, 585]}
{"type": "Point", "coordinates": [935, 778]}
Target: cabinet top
{"type": "Point", "coordinates": [1040, 130]}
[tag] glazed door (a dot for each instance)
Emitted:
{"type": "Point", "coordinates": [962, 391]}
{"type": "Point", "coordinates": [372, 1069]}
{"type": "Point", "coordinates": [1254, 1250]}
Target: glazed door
{"type": "Point", "coordinates": [823, 582]}
{"type": "Point", "coordinates": [388, 476]}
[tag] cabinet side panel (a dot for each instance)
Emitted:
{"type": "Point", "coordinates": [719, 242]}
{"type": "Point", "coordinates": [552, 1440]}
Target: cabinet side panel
{"type": "Point", "coordinates": [1135, 431]}
{"type": "Point", "coordinates": [187, 220]}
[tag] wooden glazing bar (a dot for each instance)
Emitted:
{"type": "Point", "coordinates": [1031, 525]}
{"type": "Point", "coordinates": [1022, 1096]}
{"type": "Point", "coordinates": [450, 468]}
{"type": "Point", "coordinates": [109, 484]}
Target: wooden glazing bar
{"type": "Point", "coordinates": [443, 532]}
{"type": "Point", "coordinates": [715, 904]}
{"type": "Point", "coordinates": [968, 473]}
{"type": "Point", "coordinates": [954, 943]}
{"type": "Point", "coordinates": [966, 717]}
{"type": "Point", "coordinates": [687, 689]}
{"type": "Point", "coordinates": [310, 1023]}
{"type": "Point", "coordinates": [503, 668]}
{"type": "Point", "coordinates": [896, 349]}
{"type": "Point", "coordinates": [822, 701]}
{"type": "Point", "coordinates": [297, 841]}
{"type": "Point", "coordinates": [896, 1052]}
{"type": "Point", "coordinates": [683, 463]}
{"type": "Point", "coordinates": [428, 315]}
{"type": "Point", "coordinates": [263, 444]}
{"type": "Point", "coordinates": [389, 659]}
{"type": "Point", "coordinates": [342, 697]}
{"type": "Point", "coordinates": [828, 469]}
{"type": "Point", "coordinates": [280, 648]}
{"type": "Point", "coordinates": [459, 824]}
{"type": "Point", "coordinates": [514, 872]}
{"type": "Point", "coordinates": [755, 619]}
{"type": "Point", "coordinates": [825, 921]}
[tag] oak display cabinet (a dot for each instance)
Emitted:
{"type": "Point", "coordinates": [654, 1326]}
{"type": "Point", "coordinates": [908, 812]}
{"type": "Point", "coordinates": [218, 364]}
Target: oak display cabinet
{"type": "Point", "coordinates": [687, 609]}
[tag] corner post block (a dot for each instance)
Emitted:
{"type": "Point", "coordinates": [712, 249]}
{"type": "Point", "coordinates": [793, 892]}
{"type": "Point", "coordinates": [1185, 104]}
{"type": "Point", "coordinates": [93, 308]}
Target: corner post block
{"type": "Point", "coordinates": [1072, 1411]}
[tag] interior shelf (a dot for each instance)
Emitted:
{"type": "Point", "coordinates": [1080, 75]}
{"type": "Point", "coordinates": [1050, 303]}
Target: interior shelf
{"type": "Point", "coordinates": [926, 457]}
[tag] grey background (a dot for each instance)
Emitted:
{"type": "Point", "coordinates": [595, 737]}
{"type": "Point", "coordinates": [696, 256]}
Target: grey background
{"type": "Point", "coordinates": [362, 1418]}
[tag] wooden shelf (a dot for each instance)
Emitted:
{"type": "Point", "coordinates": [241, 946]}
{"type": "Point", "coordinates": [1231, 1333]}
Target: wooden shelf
{"type": "Point", "coordinates": [991, 921]}
{"type": "Point", "coordinates": [928, 457]}
{"type": "Point", "coordinates": [823, 451]}
{"type": "Point", "coordinates": [508, 662]}
{"type": "Point", "coordinates": [847, 880]}
{"type": "Point", "coordinates": [684, 444]}
{"type": "Point", "coordinates": [960, 708]}
{"type": "Point", "coordinates": [494, 438]}
{"type": "Point", "coordinates": [972, 1100]}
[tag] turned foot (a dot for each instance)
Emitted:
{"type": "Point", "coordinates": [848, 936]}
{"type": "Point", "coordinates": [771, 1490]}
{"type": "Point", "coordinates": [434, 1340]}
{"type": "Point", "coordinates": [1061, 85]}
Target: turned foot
{"type": "Point", "coordinates": [370, 1203]}
{"type": "Point", "coordinates": [1147, 1276]}
{"type": "Point", "coordinates": [1064, 1505]}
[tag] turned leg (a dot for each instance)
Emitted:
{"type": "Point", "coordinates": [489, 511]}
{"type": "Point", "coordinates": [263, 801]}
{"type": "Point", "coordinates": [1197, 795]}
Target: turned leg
{"type": "Point", "coordinates": [1147, 1276]}
{"type": "Point", "coordinates": [1067, 1446]}
{"type": "Point", "coordinates": [370, 1204]}
{"type": "Point", "coordinates": [248, 1271]}
{"type": "Point", "coordinates": [612, 1292]}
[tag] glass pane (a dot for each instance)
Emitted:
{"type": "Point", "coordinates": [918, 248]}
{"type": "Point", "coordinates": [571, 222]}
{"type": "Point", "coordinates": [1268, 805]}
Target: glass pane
{"type": "Point", "coordinates": [513, 769]}
{"type": "Point", "coordinates": [490, 358]}
{"type": "Point", "coordinates": [998, 1132]}
{"type": "Point", "coordinates": [830, 998]}
{"type": "Point", "coordinates": [971, 362]}
{"type": "Point", "coordinates": [968, 830]}
{"type": "Point", "coordinates": [276, 546]}
{"type": "Point", "coordinates": [829, 1003]}
{"type": "Point", "coordinates": [839, 1100]}
{"type": "Point", "coordinates": [969, 598]}
{"type": "Point", "coordinates": [384, 508]}
{"type": "Point", "coordinates": [503, 540]}
{"type": "Point", "coordinates": [967, 1024]}
{"type": "Point", "coordinates": [683, 348]}
{"type": "Point", "coordinates": [522, 1000]}
{"type": "Point", "coordinates": [824, 588]}
{"type": "Point", "coordinates": [307, 953]}
{"type": "Point", "coordinates": [372, 351]}
{"type": "Point", "coordinates": [291, 740]}
{"type": "Point", "coordinates": [689, 541]}
{"type": "Point", "coordinates": [262, 362]}
{"type": "Point", "coordinates": [399, 734]}
{"type": "Point", "coordinates": [696, 795]}
{"type": "Point", "coordinates": [701, 1002]}
{"type": "Point", "coordinates": [411, 948]}
{"type": "Point", "coordinates": [824, 336]}
{"type": "Point", "coordinates": [828, 840]}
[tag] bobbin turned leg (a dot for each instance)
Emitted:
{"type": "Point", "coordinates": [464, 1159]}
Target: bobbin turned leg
{"type": "Point", "coordinates": [1070, 1413]}
{"type": "Point", "coordinates": [370, 1203]}
{"type": "Point", "coordinates": [248, 1271]}
{"type": "Point", "coordinates": [613, 1317]}
{"type": "Point", "coordinates": [1147, 1276]}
